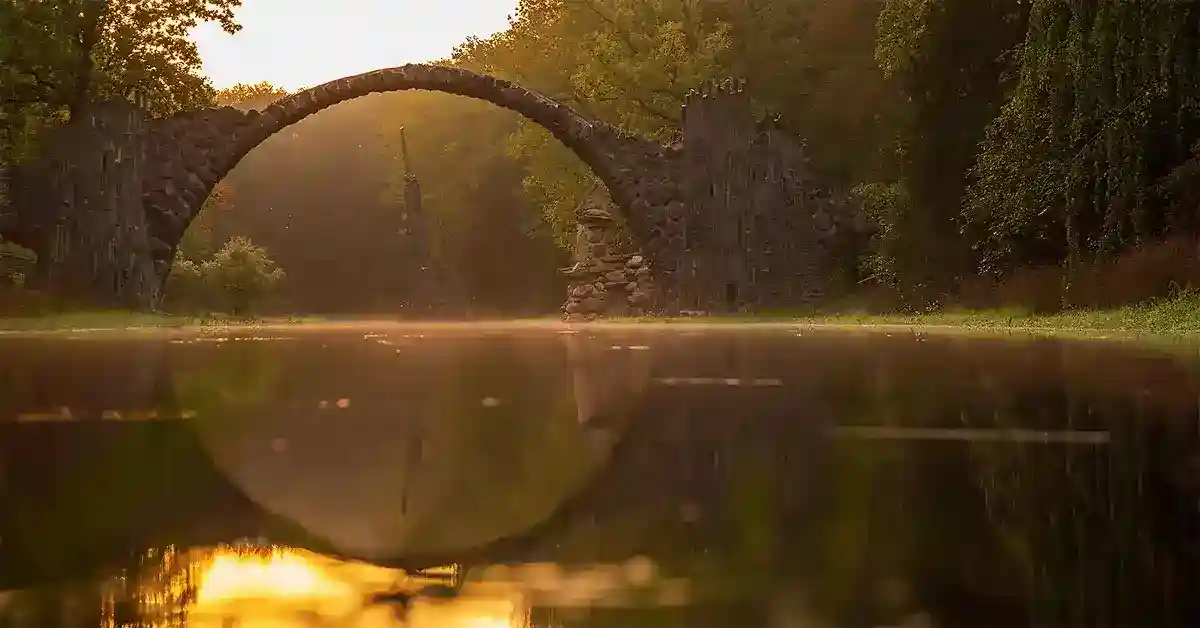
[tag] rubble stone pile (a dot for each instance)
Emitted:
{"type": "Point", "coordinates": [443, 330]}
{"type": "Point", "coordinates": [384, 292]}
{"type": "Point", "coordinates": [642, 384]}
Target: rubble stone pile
{"type": "Point", "coordinates": [604, 282]}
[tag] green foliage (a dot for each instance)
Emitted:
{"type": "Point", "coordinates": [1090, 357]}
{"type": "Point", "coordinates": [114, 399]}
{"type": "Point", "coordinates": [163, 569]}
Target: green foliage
{"type": "Point", "coordinates": [186, 288]}
{"type": "Point", "coordinates": [58, 56]}
{"type": "Point", "coordinates": [242, 274]}
{"type": "Point", "coordinates": [238, 277]}
{"type": "Point", "coordinates": [1103, 109]}
{"type": "Point", "coordinates": [252, 96]}
{"type": "Point", "coordinates": [884, 205]}
{"type": "Point", "coordinates": [74, 50]}
{"type": "Point", "coordinates": [949, 87]}
{"type": "Point", "coordinates": [626, 62]}
{"type": "Point", "coordinates": [200, 240]}
{"type": "Point", "coordinates": [15, 263]}
{"type": "Point", "coordinates": [902, 27]}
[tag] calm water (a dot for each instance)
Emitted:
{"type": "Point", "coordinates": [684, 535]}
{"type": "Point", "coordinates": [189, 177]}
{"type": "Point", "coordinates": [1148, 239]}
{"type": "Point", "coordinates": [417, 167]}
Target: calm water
{"type": "Point", "coordinates": [493, 478]}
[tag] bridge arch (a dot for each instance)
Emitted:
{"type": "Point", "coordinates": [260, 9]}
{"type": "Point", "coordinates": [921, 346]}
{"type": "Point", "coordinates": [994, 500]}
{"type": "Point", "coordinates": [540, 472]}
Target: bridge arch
{"type": "Point", "coordinates": [191, 152]}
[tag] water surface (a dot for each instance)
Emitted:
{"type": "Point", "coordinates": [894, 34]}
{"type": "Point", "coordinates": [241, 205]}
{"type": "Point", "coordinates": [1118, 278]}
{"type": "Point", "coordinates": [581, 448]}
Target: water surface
{"type": "Point", "coordinates": [595, 477]}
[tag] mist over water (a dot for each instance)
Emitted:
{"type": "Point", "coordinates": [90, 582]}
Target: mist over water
{"type": "Point", "coordinates": [594, 476]}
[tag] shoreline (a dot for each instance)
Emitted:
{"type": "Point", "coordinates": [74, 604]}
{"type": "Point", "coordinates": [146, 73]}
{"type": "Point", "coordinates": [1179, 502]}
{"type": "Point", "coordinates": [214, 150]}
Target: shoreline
{"type": "Point", "coordinates": [1077, 326]}
{"type": "Point", "coordinates": [1169, 319]}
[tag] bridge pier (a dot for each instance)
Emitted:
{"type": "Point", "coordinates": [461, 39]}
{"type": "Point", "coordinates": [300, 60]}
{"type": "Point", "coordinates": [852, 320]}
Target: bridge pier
{"type": "Point", "coordinates": [603, 280]}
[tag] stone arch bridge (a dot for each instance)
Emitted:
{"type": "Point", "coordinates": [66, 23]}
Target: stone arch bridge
{"type": "Point", "coordinates": [729, 215]}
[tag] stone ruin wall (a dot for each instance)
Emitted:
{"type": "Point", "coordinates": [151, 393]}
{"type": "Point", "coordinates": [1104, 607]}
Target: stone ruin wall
{"type": "Point", "coordinates": [758, 225]}
{"type": "Point", "coordinates": [756, 228]}
{"type": "Point", "coordinates": [79, 206]}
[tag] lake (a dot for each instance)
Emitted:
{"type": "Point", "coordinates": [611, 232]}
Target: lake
{"type": "Point", "coordinates": [492, 476]}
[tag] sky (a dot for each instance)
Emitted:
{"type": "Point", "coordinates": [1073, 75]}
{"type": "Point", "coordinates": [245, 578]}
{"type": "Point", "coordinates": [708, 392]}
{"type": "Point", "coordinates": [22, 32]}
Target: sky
{"type": "Point", "coordinates": [301, 43]}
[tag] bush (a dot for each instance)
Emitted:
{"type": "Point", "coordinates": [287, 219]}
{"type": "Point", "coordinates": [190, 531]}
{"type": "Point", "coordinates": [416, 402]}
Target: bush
{"type": "Point", "coordinates": [236, 278]}
{"type": "Point", "coordinates": [16, 263]}
{"type": "Point", "coordinates": [1154, 270]}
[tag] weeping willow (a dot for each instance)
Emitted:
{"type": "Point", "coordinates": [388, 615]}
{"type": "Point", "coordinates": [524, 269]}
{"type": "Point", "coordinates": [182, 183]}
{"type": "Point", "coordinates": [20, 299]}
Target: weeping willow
{"type": "Point", "coordinates": [1103, 111]}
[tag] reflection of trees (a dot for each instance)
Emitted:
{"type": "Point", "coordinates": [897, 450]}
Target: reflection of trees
{"type": "Point", "coordinates": [152, 588]}
{"type": "Point", "coordinates": [224, 381]}
{"type": "Point", "coordinates": [102, 497]}
{"type": "Point", "coordinates": [60, 607]}
{"type": "Point", "coordinates": [40, 375]}
{"type": "Point", "coordinates": [1088, 527]}
{"type": "Point", "coordinates": [455, 442]}
{"type": "Point", "coordinates": [505, 448]}
{"type": "Point", "coordinates": [155, 588]}
{"type": "Point", "coordinates": [1052, 534]}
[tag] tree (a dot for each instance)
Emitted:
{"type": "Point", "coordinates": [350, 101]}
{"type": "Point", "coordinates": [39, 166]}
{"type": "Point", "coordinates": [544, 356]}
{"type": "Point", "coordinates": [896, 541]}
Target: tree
{"type": "Point", "coordinates": [185, 288]}
{"type": "Point", "coordinates": [250, 96]}
{"type": "Point", "coordinates": [58, 55]}
{"type": "Point", "coordinates": [626, 62]}
{"type": "Point", "coordinates": [948, 89]}
{"type": "Point", "coordinates": [15, 263]}
{"type": "Point", "coordinates": [74, 51]}
{"type": "Point", "coordinates": [241, 273]}
{"type": "Point", "coordinates": [1103, 110]}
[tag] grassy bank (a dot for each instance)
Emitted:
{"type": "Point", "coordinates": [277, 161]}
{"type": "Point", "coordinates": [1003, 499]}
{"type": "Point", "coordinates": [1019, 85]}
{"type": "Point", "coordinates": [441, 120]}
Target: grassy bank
{"type": "Point", "coordinates": [103, 319]}
{"type": "Point", "coordinates": [1178, 316]}
{"type": "Point", "coordinates": [119, 319]}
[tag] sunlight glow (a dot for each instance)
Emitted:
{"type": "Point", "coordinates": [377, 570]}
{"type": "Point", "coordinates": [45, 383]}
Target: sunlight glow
{"type": "Point", "coordinates": [280, 575]}
{"type": "Point", "coordinates": [488, 622]}
{"type": "Point", "coordinates": [283, 588]}
{"type": "Point", "coordinates": [465, 613]}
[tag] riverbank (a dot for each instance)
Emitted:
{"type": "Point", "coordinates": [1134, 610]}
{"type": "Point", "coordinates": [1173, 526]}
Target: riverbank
{"type": "Point", "coordinates": [117, 320]}
{"type": "Point", "coordinates": [1176, 317]}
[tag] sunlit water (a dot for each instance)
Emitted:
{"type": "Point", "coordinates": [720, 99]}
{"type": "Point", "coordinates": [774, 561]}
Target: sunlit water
{"type": "Point", "coordinates": [618, 477]}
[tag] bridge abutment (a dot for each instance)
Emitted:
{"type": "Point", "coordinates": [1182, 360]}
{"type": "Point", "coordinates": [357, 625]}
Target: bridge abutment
{"type": "Point", "coordinates": [79, 207]}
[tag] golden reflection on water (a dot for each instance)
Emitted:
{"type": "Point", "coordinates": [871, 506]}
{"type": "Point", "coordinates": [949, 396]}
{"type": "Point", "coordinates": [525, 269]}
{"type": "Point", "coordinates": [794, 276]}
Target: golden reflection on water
{"type": "Point", "coordinates": [282, 574]}
{"type": "Point", "coordinates": [286, 588]}
{"type": "Point", "coordinates": [248, 586]}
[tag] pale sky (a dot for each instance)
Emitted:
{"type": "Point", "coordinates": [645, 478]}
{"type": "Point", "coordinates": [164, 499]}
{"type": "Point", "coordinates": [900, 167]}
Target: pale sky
{"type": "Point", "coordinates": [301, 43]}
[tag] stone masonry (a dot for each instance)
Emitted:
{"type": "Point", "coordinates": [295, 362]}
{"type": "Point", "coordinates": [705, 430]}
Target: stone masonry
{"type": "Point", "coordinates": [604, 281]}
{"type": "Point", "coordinates": [192, 151]}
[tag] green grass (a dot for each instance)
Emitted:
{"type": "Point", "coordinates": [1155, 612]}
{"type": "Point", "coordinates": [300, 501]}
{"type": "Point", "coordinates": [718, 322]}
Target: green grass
{"type": "Point", "coordinates": [121, 319]}
{"type": "Point", "coordinates": [100, 319]}
{"type": "Point", "coordinates": [1178, 316]}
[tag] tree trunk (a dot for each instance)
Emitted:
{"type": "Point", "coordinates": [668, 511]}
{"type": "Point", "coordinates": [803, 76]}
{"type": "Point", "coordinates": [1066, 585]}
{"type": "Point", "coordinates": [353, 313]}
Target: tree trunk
{"type": "Point", "coordinates": [85, 39]}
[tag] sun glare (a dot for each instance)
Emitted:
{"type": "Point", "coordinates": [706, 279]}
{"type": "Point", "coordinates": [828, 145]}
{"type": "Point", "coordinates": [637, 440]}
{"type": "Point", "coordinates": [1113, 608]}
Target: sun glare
{"type": "Point", "coordinates": [280, 575]}
{"type": "Point", "coordinates": [468, 613]}
{"type": "Point", "coordinates": [488, 622]}
{"type": "Point", "coordinates": [283, 582]}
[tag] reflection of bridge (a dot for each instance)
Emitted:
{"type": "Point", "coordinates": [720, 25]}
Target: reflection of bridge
{"type": "Point", "coordinates": [116, 488]}
{"type": "Point", "coordinates": [99, 480]}
{"type": "Point", "coordinates": [706, 460]}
